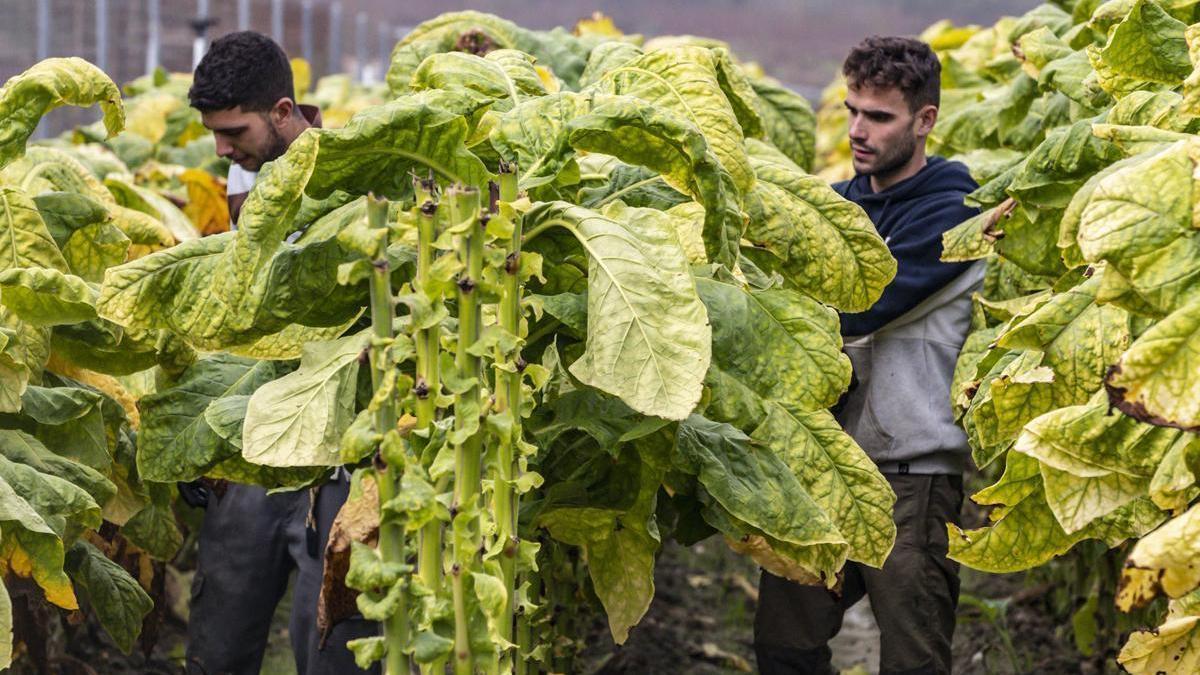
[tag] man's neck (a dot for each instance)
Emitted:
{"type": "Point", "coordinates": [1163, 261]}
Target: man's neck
{"type": "Point", "coordinates": [296, 126]}
{"type": "Point", "coordinates": [879, 183]}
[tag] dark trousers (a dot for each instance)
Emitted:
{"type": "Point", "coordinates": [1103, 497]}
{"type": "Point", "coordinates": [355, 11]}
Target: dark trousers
{"type": "Point", "coordinates": [249, 544]}
{"type": "Point", "coordinates": [913, 596]}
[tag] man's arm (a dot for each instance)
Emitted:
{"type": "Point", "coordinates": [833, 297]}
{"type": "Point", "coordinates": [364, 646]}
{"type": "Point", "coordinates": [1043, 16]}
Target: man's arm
{"type": "Point", "coordinates": [920, 272]}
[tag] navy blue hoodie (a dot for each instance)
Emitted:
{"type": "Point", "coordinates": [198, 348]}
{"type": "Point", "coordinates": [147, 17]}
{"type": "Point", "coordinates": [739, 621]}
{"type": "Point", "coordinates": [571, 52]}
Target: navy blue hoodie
{"type": "Point", "coordinates": [911, 217]}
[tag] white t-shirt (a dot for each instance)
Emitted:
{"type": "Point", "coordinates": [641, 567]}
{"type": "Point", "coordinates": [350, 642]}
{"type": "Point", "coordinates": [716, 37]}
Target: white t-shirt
{"type": "Point", "coordinates": [238, 182]}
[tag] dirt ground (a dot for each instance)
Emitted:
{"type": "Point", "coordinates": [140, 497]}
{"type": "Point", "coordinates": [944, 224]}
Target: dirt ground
{"type": "Point", "coordinates": [701, 621]}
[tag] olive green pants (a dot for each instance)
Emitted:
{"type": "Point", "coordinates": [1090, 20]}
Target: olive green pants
{"type": "Point", "coordinates": [914, 595]}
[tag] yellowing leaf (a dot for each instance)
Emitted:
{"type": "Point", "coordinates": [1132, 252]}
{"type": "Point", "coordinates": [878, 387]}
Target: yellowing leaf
{"type": "Point", "coordinates": [207, 207]}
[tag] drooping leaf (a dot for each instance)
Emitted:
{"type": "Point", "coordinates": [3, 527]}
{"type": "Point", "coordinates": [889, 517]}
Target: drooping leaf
{"type": "Point", "coordinates": [47, 297]}
{"type": "Point", "coordinates": [684, 81]}
{"type": "Point", "coordinates": [116, 597]}
{"type": "Point", "coordinates": [823, 244]}
{"type": "Point", "coordinates": [1153, 381]}
{"type": "Point", "coordinates": [176, 441]}
{"type": "Point", "coordinates": [298, 420]}
{"type": "Point", "coordinates": [24, 239]}
{"type": "Point", "coordinates": [649, 340]}
{"type": "Point", "coordinates": [55, 82]}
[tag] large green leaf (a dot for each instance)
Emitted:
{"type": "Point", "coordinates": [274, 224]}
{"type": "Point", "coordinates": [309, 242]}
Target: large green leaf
{"type": "Point", "coordinates": [785, 414]}
{"type": "Point", "coordinates": [788, 120]}
{"type": "Point", "coordinates": [649, 341]}
{"type": "Point", "coordinates": [24, 239]}
{"type": "Point", "coordinates": [1077, 337]}
{"type": "Point", "coordinates": [1024, 532]}
{"type": "Point", "coordinates": [30, 548]}
{"type": "Point", "coordinates": [175, 441]}
{"type": "Point", "coordinates": [23, 448]}
{"type": "Point", "coordinates": [1093, 462]}
{"type": "Point", "coordinates": [542, 135]}
{"type": "Point", "coordinates": [299, 419]}
{"type": "Point", "coordinates": [824, 245]}
{"type": "Point", "coordinates": [23, 352]}
{"type": "Point", "coordinates": [24, 99]}
{"type": "Point", "coordinates": [1155, 379]}
{"type": "Point", "coordinates": [685, 81]}
{"type": "Point", "coordinates": [480, 33]}
{"type": "Point", "coordinates": [755, 331]}
{"type": "Point", "coordinates": [47, 297]}
{"type": "Point", "coordinates": [1147, 45]}
{"type": "Point", "coordinates": [65, 212]}
{"type": "Point", "coordinates": [116, 597]}
{"type": "Point", "coordinates": [1139, 218]}
{"type": "Point", "coordinates": [505, 75]}
{"type": "Point", "coordinates": [94, 248]}
{"type": "Point", "coordinates": [838, 475]}
{"type": "Point", "coordinates": [754, 485]}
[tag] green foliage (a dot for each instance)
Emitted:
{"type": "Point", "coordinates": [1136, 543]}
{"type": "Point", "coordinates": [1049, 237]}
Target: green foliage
{"type": "Point", "coordinates": [1079, 380]}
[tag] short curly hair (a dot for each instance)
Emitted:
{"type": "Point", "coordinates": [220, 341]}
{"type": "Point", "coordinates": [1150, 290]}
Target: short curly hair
{"type": "Point", "coordinates": [907, 64]}
{"type": "Point", "coordinates": [244, 69]}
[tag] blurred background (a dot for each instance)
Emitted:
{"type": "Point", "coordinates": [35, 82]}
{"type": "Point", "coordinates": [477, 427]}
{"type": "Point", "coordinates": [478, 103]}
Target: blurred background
{"type": "Point", "coordinates": [800, 42]}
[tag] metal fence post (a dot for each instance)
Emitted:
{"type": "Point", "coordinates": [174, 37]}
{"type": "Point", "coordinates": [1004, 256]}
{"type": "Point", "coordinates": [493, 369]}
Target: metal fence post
{"type": "Point", "coordinates": [385, 48]}
{"type": "Point", "coordinates": [153, 28]}
{"type": "Point", "coordinates": [243, 14]}
{"type": "Point", "coordinates": [277, 21]}
{"type": "Point", "coordinates": [360, 46]}
{"type": "Point", "coordinates": [102, 34]}
{"type": "Point", "coordinates": [306, 30]}
{"type": "Point", "coordinates": [44, 29]}
{"type": "Point", "coordinates": [200, 25]}
{"type": "Point", "coordinates": [335, 37]}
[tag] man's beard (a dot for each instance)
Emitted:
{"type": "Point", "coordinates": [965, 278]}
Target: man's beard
{"type": "Point", "coordinates": [895, 158]}
{"type": "Point", "coordinates": [275, 146]}
{"type": "Point", "coordinates": [272, 150]}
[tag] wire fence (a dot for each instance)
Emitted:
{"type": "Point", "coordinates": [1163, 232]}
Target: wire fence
{"type": "Point", "coordinates": [129, 38]}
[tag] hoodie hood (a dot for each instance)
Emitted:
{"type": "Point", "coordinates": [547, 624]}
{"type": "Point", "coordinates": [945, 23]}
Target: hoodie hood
{"type": "Point", "coordinates": [937, 176]}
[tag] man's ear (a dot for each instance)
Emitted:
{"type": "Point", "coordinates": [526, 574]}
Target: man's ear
{"type": "Point", "coordinates": [282, 110]}
{"type": "Point", "coordinates": [925, 118]}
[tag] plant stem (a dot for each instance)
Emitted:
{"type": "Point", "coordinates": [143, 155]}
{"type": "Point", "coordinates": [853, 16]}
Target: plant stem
{"type": "Point", "coordinates": [429, 555]}
{"type": "Point", "coordinates": [508, 399]}
{"type": "Point", "coordinates": [464, 208]}
{"type": "Point", "coordinates": [463, 664]}
{"type": "Point", "coordinates": [391, 534]}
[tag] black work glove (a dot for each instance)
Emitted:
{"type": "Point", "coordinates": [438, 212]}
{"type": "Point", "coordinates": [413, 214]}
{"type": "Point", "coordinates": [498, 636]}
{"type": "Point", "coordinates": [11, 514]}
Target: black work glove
{"type": "Point", "coordinates": [194, 493]}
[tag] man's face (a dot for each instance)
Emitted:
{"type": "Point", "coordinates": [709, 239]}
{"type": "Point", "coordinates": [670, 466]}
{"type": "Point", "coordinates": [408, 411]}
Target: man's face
{"type": "Point", "coordinates": [884, 132]}
{"type": "Point", "coordinates": [249, 139]}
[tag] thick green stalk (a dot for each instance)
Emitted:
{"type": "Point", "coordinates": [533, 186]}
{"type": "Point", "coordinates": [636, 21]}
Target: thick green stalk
{"type": "Point", "coordinates": [391, 534]}
{"type": "Point", "coordinates": [508, 399]}
{"type": "Point", "coordinates": [464, 208]}
{"type": "Point", "coordinates": [428, 381]}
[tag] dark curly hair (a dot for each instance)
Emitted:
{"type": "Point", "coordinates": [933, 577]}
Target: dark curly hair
{"type": "Point", "coordinates": [244, 69]}
{"type": "Point", "coordinates": [905, 63]}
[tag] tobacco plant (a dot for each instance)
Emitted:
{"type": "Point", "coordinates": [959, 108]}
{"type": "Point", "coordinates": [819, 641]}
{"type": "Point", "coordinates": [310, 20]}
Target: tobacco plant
{"type": "Point", "coordinates": [558, 297]}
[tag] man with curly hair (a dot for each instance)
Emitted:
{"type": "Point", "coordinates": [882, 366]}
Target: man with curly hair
{"type": "Point", "coordinates": [904, 350]}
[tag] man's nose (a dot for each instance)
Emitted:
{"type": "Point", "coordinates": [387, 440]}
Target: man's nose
{"type": "Point", "coordinates": [858, 131]}
{"type": "Point", "coordinates": [224, 147]}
